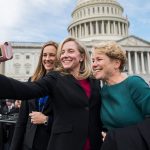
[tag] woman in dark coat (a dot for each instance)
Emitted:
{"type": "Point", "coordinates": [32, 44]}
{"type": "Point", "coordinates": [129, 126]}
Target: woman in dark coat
{"type": "Point", "coordinates": [35, 135]}
{"type": "Point", "coordinates": [76, 98]}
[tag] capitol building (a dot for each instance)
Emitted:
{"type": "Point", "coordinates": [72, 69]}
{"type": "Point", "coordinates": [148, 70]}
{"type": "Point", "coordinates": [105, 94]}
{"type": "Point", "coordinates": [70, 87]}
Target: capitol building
{"type": "Point", "coordinates": [93, 21]}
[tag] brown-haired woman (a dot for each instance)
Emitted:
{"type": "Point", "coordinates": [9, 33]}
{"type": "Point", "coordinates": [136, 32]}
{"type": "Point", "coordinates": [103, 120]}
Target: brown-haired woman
{"type": "Point", "coordinates": [33, 127]}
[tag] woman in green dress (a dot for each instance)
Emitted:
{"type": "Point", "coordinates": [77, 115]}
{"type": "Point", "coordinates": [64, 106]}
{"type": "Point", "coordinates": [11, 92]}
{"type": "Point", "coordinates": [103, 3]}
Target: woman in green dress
{"type": "Point", "coordinates": [125, 99]}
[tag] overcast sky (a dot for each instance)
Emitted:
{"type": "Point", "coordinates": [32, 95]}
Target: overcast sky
{"type": "Point", "coordinates": [43, 20]}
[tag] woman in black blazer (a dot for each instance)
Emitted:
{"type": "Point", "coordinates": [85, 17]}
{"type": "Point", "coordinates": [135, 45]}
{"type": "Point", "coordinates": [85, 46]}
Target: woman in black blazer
{"type": "Point", "coordinates": [36, 135]}
{"type": "Point", "coordinates": [76, 98]}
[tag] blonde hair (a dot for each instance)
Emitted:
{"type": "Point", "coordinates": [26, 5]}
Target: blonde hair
{"type": "Point", "coordinates": [85, 68]}
{"type": "Point", "coordinates": [40, 70]}
{"type": "Point", "coordinates": [113, 51]}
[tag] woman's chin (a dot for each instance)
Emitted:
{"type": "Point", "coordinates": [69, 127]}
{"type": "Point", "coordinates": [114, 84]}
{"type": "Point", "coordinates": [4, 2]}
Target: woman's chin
{"type": "Point", "coordinates": [97, 75]}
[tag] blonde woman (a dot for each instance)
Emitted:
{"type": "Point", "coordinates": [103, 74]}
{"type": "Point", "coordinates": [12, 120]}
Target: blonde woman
{"type": "Point", "coordinates": [125, 99]}
{"type": "Point", "coordinates": [76, 98]}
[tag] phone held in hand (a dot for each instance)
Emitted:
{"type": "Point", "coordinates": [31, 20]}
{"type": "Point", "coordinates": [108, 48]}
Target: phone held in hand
{"type": "Point", "coordinates": [6, 52]}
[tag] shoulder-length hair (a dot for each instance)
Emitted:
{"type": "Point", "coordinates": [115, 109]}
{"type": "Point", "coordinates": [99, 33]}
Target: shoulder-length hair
{"type": "Point", "coordinates": [40, 70]}
{"type": "Point", "coordinates": [85, 68]}
{"type": "Point", "coordinates": [113, 50]}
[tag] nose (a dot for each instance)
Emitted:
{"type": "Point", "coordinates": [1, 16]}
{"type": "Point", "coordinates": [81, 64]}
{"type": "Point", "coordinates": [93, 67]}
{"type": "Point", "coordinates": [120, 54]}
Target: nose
{"type": "Point", "coordinates": [94, 64]}
{"type": "Point", "coordinates": [48, 57]}
{"type": "Point", "coordinates": [65, 54]}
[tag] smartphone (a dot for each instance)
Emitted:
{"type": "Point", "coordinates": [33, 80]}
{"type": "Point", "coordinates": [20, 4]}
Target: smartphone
{"type": "Point", "coordinates": [6, 52]}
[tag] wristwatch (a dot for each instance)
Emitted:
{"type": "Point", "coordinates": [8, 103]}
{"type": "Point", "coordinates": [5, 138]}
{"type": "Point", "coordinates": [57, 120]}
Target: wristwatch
{"type": "Point", "coordinates": [46, 121]}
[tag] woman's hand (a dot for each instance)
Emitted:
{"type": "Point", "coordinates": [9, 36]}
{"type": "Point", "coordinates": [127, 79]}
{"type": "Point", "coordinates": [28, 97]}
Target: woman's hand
{"type": "Point", "coordinates": [38, 117]}
{"type": "Point", "coordinates": [103, 135]}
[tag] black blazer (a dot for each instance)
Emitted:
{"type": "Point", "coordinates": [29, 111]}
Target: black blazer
{"type": "Point", "coordinates": [135, 137]}
{"type": "Point", "coordinates": [28, 136]}
{"type": "Point", "coordinates": [75, 115]}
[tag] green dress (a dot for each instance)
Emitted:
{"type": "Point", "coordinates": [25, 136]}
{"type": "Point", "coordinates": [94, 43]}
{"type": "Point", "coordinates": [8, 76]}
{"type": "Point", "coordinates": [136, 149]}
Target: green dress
{"type": "Point", "coordinates": [125, 103]}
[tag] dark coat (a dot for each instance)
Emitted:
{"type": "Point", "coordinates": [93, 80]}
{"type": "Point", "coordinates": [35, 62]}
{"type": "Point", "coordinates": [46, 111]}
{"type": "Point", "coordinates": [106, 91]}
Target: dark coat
{"type": "Point", "coordinates": [75, 115]}
{"type": "Point", "coordinates": [136, 137]}
{"type": "Point", "coordinates": [28, 136]}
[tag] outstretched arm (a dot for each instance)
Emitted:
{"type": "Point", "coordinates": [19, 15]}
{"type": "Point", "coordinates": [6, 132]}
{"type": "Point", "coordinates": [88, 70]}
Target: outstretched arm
{"type": "Point", "coordinates": [13, 89]}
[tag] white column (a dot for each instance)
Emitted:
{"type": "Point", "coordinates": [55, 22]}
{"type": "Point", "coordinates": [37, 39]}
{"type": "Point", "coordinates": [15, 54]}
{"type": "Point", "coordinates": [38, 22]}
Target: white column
{"type": "Point", "coordinates": [100, 10]}
{"type": "Point", "coordinates": [91, 29]}
{"type": "Point", "coordinates": [83, 31]}
{"type": "Point", "coordinates": [148, 61]}
{"type": "Point", "coordinates": [119, 28]}
{"type": "Point", "coordinates": [88, 28]}
{"type": "Point", "coordinates": [126, 28]}
{"type": "Point", "coordinates": [114, 27]}
{"type": "Point", "coordinates": [129, 63]}
{"type": "Point", "coordinates": [123, 29]}
{"type": "Point", "coordinates": [80, 31]}
{"type": "Point", "coordinates": [142, 62]}
{"type": "Point", "coordinates": [97, 29]}
{"type": "Point", "coordinates": [136, 63]}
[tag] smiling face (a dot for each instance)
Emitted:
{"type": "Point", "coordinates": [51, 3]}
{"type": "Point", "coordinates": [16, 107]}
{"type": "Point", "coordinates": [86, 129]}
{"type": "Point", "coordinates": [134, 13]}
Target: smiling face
{"type": "Point", "coordinates": [103, 66]}
{"type": "Point", "coordinates": [49, 57]}
{"type": "Point", "coordinates": [71, 58]}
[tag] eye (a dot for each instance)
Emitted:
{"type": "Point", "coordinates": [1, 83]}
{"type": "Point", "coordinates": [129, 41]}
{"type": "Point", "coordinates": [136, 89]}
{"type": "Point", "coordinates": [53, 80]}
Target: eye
{"type": "Point", "coordinates": [52, 55]}
{"type": "Point", "coordinates": [71, 50]}
{"type": "Point", "coordinates": [93, 60]}
{"type": "Point", "coordinates": [99, 59]}
{"type": "Point", "coordinates": [44, 54]}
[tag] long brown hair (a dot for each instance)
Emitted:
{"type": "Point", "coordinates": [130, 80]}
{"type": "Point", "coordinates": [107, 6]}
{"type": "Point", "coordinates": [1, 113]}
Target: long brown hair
{"type": "Point", "coordinates": [40, 70]}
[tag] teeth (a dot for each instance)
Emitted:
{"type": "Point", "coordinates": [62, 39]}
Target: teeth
{"type": "Point", "coordinates": [66, 61]}
{"type": "Point", "coordinates": [97, 69]}
{"type": "Point", "coordinates": [48, 62]}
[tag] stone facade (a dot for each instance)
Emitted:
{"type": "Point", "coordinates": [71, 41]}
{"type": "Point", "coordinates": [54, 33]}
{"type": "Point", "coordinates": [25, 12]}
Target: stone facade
{"type": "Point", "coordinates": [24, 62]}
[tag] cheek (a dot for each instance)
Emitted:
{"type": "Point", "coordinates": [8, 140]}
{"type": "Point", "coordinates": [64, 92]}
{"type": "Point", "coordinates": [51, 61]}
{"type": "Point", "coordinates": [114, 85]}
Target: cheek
{"type": "Point", "coordinates": [42, 61]}
{"type": "Point", "coordinates": [60, 58]}
{"type": "Point", "coordinates": [53, 58]}
{"type": "Point", "coordinates": [43, 58]}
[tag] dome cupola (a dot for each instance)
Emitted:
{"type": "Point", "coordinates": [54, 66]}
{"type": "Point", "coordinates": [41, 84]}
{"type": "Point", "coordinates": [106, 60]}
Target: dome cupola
{"type": "Point", "coordinates": [98, 20]}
